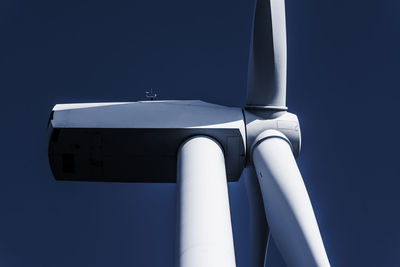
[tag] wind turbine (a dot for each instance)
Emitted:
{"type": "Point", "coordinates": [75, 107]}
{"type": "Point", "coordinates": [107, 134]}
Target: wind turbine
{"type": "Point", "coordinates": [201, 146]}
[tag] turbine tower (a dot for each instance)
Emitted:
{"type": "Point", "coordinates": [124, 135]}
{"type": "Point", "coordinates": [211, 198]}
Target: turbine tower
{"type": "Point", "coordinates": [202, 146]}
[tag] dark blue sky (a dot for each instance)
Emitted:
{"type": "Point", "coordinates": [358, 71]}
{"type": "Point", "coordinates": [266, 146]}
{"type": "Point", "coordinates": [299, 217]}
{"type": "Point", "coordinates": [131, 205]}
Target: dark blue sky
{"type": "Point", "coordinates": [343, 82]}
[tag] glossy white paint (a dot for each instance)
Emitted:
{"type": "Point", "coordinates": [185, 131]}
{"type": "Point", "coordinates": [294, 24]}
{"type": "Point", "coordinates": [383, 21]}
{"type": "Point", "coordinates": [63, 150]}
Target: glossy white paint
{"type": "Point", "coordinates": [259, 231]}
{"type": "Point", "coordinates": [287, 205]}
{"type": "Point", "coordinates": [266, 82]}
{"type": "Point", "coordinates": [204, 232]}
{"type": "Point", "coordinates": [148, 114]}
{"type": "Point", "coordinates": [124, 141]}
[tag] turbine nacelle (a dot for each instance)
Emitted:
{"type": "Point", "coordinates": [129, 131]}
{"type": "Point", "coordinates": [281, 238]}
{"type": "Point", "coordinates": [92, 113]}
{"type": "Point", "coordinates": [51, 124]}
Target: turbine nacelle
{"type": "Point", "coordinates": [138, 141]}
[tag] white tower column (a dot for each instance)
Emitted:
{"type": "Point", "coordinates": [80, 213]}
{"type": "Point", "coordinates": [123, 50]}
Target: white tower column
{"type": "Point", "coordinates": [205, 232]}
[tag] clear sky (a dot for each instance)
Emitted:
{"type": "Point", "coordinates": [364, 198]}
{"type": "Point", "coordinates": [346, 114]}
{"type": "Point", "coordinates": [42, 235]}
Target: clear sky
{"type": "Point", "coordinates": [343, 83]}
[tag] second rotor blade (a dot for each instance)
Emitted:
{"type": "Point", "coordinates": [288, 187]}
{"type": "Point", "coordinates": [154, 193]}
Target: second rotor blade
{"type": "Point", "coordinates": [288, 208]}
{"type": "Point", "coordinates": [258, 223]}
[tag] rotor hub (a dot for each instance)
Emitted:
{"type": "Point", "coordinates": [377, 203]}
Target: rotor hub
{"type": "Point", "coordinates": [262, 124]}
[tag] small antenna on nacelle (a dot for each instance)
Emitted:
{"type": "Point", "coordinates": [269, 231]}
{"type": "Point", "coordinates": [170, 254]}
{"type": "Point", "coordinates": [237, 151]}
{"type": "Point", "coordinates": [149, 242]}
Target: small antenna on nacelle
{"type": "Point", "coordinates": [152, 96]}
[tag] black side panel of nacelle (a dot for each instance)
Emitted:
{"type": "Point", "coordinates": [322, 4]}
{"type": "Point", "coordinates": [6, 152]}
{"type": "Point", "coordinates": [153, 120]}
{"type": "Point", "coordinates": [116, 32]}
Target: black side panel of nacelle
{"type": "Point", "coordinates": [131, 154]}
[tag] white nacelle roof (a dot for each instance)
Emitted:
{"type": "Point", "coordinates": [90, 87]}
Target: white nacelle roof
{"type": "Point", "coordinates": [148, 114]}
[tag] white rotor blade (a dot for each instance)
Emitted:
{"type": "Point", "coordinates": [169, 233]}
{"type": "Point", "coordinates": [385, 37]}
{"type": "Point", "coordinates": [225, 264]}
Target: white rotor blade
{"type": "Point", "coordinates": [288, 208]}
{"type": "Point", "coordinates": [266, 83]}
{"type": "Point", "coordinates": [205, 230]}
{"type": "Point", "coordinates": [258, 223]}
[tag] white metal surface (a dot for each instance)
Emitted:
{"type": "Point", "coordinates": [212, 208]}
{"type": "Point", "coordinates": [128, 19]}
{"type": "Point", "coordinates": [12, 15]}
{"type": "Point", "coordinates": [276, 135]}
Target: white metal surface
{"type": "Point", "coordinates": [258, 223]}
{"type": "Point", "coordinates": [266, 83]}
{"type": "Point", "coordinates": [205, 231]}
{"type": "Point", "coordinates": [287, 206]}
{"type": "Point", "coordinates": [258, 121]}
{"type": "Point", "coordinates": [148, 114]}
{"type": "Point", "coordinates": [124, 141]}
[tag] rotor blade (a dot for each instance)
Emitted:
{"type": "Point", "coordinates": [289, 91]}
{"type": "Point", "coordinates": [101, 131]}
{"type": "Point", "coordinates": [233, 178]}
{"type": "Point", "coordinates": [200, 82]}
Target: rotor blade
{"type": "Point", "coordinates": [258, 223]}
{"type": "Point", "coordinates": [266, 82]}
{"type": "Point", "coordinates": [205, 229]}
{"type": "Point", "coordinates": [288, 208]}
